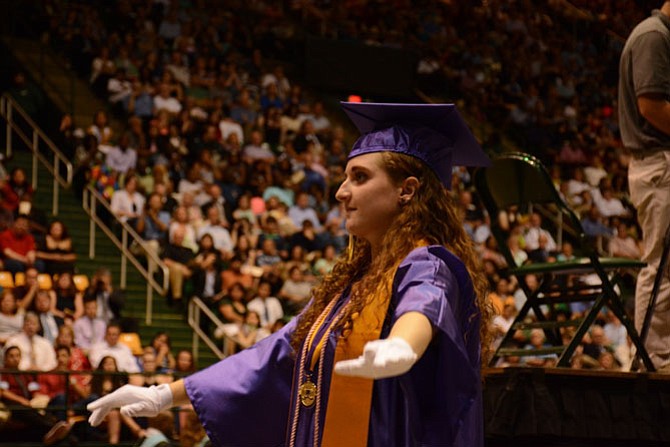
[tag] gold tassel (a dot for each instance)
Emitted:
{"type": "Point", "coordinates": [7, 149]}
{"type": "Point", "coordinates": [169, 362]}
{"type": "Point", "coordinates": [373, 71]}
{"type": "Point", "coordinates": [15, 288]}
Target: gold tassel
{"type": "Point", "coordinates": [350, 248]}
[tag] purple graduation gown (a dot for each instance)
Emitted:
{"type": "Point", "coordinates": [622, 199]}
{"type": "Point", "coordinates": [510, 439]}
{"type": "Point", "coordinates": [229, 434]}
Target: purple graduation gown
{"type": "Point", "coordinates": [247, 399]}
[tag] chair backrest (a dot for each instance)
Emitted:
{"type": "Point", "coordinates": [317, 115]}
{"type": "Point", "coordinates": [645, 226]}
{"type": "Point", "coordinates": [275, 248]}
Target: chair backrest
{"type": "Point", "coordinates": [81, 282]}
{"type": "Point", "coordinates": [45, 281]}
{"type": "Point", "coordinates": [6, 280]}
{"type": "Point", "coordinates": [520, 180]}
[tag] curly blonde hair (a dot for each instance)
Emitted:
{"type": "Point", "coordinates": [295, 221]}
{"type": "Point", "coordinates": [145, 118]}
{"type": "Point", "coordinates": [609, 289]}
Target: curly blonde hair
{"type": "Point", "coordinates": [431, 217]}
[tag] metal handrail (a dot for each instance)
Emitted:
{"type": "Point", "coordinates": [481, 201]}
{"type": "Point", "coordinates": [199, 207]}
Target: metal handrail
{"type": "Point", "coordinates": [196, 308]}
{"type": "Point", "coordinates": [90, 204]}
{"type": "Point", "coordinates": [10, 110]}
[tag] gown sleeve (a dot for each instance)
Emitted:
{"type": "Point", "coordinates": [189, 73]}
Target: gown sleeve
{"type": "Point", "coordinates": [443, 389]}
{"type": "Point", "coordinates": [243, 400]}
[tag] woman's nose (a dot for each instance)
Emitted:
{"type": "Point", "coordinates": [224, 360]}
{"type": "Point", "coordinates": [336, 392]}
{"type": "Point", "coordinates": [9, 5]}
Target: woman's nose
{"type": "Point", "coordinates": [342, 192]}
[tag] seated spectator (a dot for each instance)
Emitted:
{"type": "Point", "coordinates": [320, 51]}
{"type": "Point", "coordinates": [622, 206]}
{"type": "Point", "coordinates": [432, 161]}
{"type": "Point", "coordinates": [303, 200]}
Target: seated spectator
{"type": "Point", "coordinates": [11, 316]}
{"type": "Point", "coordinates": [541, 253]}
{"type": "Point", "coordinates": [49, 322]}
{"type": "Point", "coordinates": [121, 158]}
{"type": "Point", "coordinates": [237, 271]}
{"type": "Point", "coordinates": [103, 383]}
{"type": "Point", "coordinates": [119, 88]}
{"type": "Point", "coordinates": [20, 389]}
{"type": "Point", "coordinates": [150, 375]}
{"type": "Point", "coordinates": [18, 247]}
{"type": "Point", "coordinates": [595, 342]}
{"type": "Point", "coordinates": [110, 300]}
{"type": "Point", "coordinates": [502, 323]}
{"type": "Point", "coordinates": [56, 251]}
{"type": "Point", "coordinates": [78, 361]}
{"type": "Point", "coordinates": [178, 260]}
{"type": "Point", "coordinates": [537, 339]}
{"type": "Point", "coordinates": [233, 306]}
{"type": "Point", "coordinates": [100, 128]}
{"type": "Point", "coordinates": [243, 111]}
{"type": "Point", "coordinates": [164, 100]}
{"type": "Point", "coordinates": [25, 292]}
{"type": "Point", "coordinates": [216, 199]}
{"type": "Point", "coordinates": [532, 235]}
{"type": "Point", "coordinates": [69, 302]}
{"type": "Point", "coordinates": [306, 238]}
{"type": "Point", "coordinates": [60, 390]}
{"type": "Point", "coordinates": [268, 258]}
{"type": "Point", "coordinates": [219, 234]}
{"type": "Point", "coordinates": [593, 225]}
{"type": "Point", "coordinates": [207, 270]}
{"type": "Point", "coordinates": [295, 291]}
{"type": "Point", "coordinates": [185, 363]}
{"type": "Point", "coordinates": [127, 203]}
{"type": "Point", "coordinates": [15, 190]}
{"type": "Point", "coordinates": [324, 265]}
{"type": "Point", "coordinates": [38, 352]}
{"type": "Point", "coordinates": [250, 332]}
{"type": "Point", "coordinates": [111, 347]}
{"type": "Point", "coordinates": [165, 361]}
{"type": "Point", "coordinates": [297, 258]}
{"type": "Point", "coordinates": [301, 211]}
{"type": "Point", "coordinates": [257, 149]}
{"type": "Point", "coordinates": [623, 244]}
{"type": "Point", "coordinates": [89, 329]}
{"type": "Point", "coordinates": [319, 120]}
{"type": "Point", "coordinates": [609, 205]}
{"type": "Point", "coordinates": [267, 307]}
{"type": "Point", "coordinates": [153, 224]}
{"type": "Point", "coordinates": [181, 222]}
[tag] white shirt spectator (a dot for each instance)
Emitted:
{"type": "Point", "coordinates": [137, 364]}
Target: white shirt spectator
{"type": "Point", "coordinates": [125, 360]}
{"type": "Point", "coordinates": [124, 202]}
{"type": "Point", "coordinates": [119, 160]}
{"type": "Point", "coordinates": [170, 104]}
{"type": "Point", "coordinates": [228, 127]}
{"type": "Point", "coordinates": [257, 152]}
{"type": "Point", "coordinates": [270, 309]}
{"type": "Point", "coordinates": [220, 235]}
{"type": "Point", "coordinates": [35, 350]}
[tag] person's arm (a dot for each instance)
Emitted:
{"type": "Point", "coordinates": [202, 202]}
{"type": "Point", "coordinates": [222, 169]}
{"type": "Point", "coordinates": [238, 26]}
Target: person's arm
{"type": "Point", "coordinates": [392, 356]}
{"type": "Point", "coordinates": [656, 110]}
{"type": "Point", "coordinates": [415, 329]}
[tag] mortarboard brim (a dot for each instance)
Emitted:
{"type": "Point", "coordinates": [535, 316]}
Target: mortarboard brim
{"type": "Point", "coordinates": [434, 133]}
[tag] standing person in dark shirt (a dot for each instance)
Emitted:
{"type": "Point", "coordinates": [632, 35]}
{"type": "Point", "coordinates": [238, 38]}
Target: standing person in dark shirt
{"type": "Point", "coordinates": [178, 259]}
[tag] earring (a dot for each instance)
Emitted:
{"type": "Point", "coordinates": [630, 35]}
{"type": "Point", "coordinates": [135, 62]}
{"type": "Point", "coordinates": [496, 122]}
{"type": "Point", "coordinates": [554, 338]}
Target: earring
{"type": "Point", "coordinates": [404, 201]}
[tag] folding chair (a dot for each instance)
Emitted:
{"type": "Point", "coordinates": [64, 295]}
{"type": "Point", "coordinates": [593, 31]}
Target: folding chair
{"type": "Point", "coordinates": [519, 181]}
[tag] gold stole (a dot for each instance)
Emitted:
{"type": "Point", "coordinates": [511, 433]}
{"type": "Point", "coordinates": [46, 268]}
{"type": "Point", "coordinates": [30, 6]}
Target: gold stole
{"type": "Point", "coordinates": [350, 398]}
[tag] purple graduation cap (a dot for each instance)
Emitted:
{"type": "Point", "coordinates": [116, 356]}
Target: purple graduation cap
{"type": "Point", "coordinates": [434, 133]}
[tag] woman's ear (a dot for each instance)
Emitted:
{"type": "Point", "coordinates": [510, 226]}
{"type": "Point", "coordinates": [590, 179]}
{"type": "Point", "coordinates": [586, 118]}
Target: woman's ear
{"type": "Point", "coordinates": [409, 187]}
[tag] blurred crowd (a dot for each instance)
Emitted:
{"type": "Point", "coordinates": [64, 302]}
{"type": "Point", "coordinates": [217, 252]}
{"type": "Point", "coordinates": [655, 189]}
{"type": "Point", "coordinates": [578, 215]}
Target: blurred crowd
{"type": "Point", "coordinates": [227, 166]}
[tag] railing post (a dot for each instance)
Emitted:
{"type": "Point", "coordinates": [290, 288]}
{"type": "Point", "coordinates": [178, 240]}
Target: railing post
{"type": "Point", "coordinates": [91, 226]}
{"type": "Point", "coordinates": [124, 260]}
{"type": "Point", "coordinates": [196, 339]}
{"type": "Point", "coordinates": [8, 138]}
{"type": "Point", "coordinates": [150, 291]}
{"type": "Point", "coordinates": [54, 206]}
{"type": "Point", "coordinates": [35, 151]}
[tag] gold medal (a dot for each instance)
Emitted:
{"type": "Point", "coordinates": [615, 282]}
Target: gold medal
{"type": "Point", "coordinates": [307, 393]}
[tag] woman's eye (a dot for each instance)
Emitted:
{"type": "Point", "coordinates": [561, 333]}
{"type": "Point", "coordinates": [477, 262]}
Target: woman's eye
{"type": "Point", "coordinates": [360, 177]}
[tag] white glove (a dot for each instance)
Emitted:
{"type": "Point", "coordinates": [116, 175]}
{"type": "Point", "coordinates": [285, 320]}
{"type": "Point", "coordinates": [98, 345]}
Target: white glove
{"type": "Point", "coordinates": [381, 358]}
{"type": "Point", "coordinates": [133, 401]}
